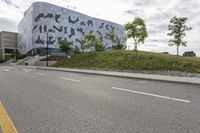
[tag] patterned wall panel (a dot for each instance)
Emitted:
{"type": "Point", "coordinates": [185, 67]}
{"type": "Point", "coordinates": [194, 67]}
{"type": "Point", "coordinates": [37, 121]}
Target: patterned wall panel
{"type": "Point", "coordinates": [61, 23]}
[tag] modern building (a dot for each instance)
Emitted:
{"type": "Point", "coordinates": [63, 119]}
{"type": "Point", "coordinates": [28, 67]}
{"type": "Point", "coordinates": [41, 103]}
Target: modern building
{"type": "Point", "coordinates": [44, 23]}
{"type": "Point", "coordinates": [8, 43]}
{"type": "Point", "coordinates": [189, 54]}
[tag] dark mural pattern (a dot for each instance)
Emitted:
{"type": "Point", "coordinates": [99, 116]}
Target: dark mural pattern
{"type": "Point", "coordinates": [90, 23]}
{"type": "Point", "coordinates": [107, 27]}
{"type": "Point", "coordinates": [51, 30]}
{"type": "Point", "coordinates": [101, 36]}
{"type": "Point", "coordinates": [57, 16]}
{"type": "Point", "coordinates": [72, 32]}
{"type": "Point", "coordinates": [65, 30]}
{"type": "Point", "coordinates": [83, 23]}
{"type": "Point", "coordinates": [101, 25]}
{"type": "Point", "coordinates": [34, 27]}
{"type": "Point", "coordinates": [81, 31]}
{"type": "Point", "coordinates": [65, 25]}
{"type": "Point", "coordinates": [73, 21]}
{"type": "Point", "coordinates": [58, 29]}
{"type": "Point", "coordinates": [50, 15]}
{"type": "Point", "coordinates": [39, 40]}
{"type": "Point", "coordinates": [41, 15]}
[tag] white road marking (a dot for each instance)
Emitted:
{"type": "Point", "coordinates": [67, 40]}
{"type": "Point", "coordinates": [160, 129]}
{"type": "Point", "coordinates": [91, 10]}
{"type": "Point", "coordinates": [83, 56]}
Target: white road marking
{"type": "Point", "coordinates": [15, 69]}
{"type": "Point", "coordinates": [74, 80]}
{"type": "Point", "coordinates": [6, 70]}
{"type": "Point", "coordinates": [27, 70]}
{"type": "Point", "coordinates": [40, 73]}
{"type": "Point", "coordinates": [153, 95]}
{"type": "Point", "coordinates": [142, 81]}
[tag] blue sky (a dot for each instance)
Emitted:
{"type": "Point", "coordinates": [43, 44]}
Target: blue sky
{"type": "Point", "coordinates": [156, 13]}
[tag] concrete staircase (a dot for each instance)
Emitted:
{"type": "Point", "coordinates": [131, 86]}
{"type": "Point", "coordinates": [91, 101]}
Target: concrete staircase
{"type": "Point", "coordinates": [29, 61]}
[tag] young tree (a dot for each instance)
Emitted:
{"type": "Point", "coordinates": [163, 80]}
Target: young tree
{"type": "Point", "coordinates": [66, 46]}
{"type": "Point", "coordinates": [15, 54]}
{"type": "Point", "coordinates": [92, 42]}
{"type": "Point", "coordinates": [115, 44]}
{"type": "Point", "coordinates": [137, 31]}
{"type": "Point", "coordinates": [177, 28]}
{"type": "Point", "coordinates": [111, 36]}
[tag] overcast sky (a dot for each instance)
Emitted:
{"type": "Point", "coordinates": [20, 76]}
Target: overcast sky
{"type": "Point", "coordinates": [156, 13]}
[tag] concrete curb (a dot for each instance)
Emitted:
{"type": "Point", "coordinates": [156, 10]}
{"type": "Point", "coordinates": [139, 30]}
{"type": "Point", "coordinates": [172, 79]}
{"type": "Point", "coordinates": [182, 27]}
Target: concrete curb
{"type": "Point", "coordinates": [162, 78]}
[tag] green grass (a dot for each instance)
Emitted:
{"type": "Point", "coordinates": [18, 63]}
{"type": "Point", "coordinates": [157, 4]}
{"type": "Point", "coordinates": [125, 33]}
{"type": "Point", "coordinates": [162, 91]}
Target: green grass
{"type": "Point", "coordinates": [126, 60]}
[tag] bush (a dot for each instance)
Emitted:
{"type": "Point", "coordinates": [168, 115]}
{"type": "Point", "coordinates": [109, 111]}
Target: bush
{"type": "Point", "coordinates": [2, 61]}
{"type": "Point", "coordinates": [76, 50]}
{"type": "Point", "coordinates": [118, 47]}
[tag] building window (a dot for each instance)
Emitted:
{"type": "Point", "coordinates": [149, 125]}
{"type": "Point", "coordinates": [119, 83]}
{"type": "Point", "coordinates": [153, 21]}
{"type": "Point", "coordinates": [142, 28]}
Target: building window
{"type": "Point", "coordinates": [8, 50]}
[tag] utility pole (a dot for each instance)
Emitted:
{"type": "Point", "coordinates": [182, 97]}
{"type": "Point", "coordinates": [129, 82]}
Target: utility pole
{"type": "Point", "coordinates": [47, 49]}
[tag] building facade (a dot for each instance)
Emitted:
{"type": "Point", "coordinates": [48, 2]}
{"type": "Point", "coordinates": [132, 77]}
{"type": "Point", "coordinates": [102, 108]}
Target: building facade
{"type": "Point", "coordinates": [44, 23]}
{"type": "Point", "coordinates": [189, 54]}
{"type": "Point", "coordinates": [8, 43]}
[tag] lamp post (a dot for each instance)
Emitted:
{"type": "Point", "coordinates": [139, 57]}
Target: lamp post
{"type": "Point", "coordinates": [47, 49]}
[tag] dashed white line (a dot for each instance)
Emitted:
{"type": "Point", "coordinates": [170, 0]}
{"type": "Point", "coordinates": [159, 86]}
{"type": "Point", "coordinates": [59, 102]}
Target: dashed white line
{"type": "Point", "coordinates": [153, 95]}
{"type": "Point", "coordinates": [40, 73]}
{"type": "Point", "coordinates": [15, 69]}
{"type": "Point", "coordinates": [73, 80]}
{"type": "Point", "coordinates": [27, 70]}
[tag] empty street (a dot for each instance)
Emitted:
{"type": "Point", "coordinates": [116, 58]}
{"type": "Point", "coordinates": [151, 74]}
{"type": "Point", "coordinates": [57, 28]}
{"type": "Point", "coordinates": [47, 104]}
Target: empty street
{"type": "Point", "coordinates": [43, 101]}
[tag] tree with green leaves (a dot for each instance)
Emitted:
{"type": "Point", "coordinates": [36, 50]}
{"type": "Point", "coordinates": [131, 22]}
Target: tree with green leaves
{"type": "Point", "coordinates": [177, 28]}
{"type": "Point", "coordinates": [115, 44]}
{"type": "Point", "coordinates": [137, 31]}
{"type": "Point", "coordinates": [119, 47]}
{"type": "Point", "coordinates": [66, 46]}
{"type": "Point", "coordinates": [93, 43]}
{"type": "Point", "coordinates": [111, 36]}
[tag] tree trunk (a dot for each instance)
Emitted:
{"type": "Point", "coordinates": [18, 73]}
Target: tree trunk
{"type": "Point", "coordinates": [65, 54]}
{"type": "Point", "coordinates": [177, 50]}
{"type": "Point", "coordinates": [135, 47]}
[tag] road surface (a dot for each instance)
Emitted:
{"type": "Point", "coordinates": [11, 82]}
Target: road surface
{"type": "Point", "coordinates": [41, 101]}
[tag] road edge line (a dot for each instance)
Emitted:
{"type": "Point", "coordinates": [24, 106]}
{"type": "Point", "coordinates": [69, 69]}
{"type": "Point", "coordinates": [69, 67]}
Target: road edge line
{"type": "Point", "coordinates": [6, 123]}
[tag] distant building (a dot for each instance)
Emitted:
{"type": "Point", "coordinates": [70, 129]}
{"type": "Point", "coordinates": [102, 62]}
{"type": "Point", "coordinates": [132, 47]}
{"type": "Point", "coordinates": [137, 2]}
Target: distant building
{"type": "Point", "coordinates": [165, 52]}
{"type": "Point", "coordinates": [189, 54]}
{"type": "Point", "coordinates": [61, 23]}
{"type": "Point", "coordinates": [8, 43]}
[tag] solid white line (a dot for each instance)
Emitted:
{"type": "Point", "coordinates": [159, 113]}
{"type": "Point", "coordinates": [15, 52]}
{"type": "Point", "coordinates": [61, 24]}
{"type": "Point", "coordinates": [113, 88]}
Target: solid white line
{"type": "Point", "coordinates": [74, 80]}
{"type": "Point", "coordinates": [153, 95]}
{"type": "Point", "coordinates": [40, 73]}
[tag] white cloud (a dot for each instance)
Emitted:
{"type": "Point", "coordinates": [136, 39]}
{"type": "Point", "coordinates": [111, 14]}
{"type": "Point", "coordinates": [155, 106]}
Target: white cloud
{"type": "Point", "coordinates": [156, 13]}
{"type": "Point", "coordinates": [7, 24]}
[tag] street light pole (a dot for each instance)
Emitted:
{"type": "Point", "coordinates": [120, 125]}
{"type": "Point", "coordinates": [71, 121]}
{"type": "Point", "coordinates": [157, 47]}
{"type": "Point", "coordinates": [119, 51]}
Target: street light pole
{"type": "Point", "coordinates": [47, 49]}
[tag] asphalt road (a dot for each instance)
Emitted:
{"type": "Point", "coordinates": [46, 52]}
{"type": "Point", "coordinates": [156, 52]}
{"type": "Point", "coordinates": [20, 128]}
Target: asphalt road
{"type": "Point", "coordinates": [41, 101]}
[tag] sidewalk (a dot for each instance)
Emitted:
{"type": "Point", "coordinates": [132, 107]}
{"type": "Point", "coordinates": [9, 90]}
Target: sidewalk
{"type": "Point", "coordinates": [171, 79]}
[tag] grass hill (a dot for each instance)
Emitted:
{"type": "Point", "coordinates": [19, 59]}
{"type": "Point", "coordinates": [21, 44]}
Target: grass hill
{"type": "Point", "coordinates": [127, 60]}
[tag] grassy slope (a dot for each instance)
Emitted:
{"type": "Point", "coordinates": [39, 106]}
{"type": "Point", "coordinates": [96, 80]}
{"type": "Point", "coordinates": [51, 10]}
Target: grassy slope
{"type": "Point", "coordinates": [126, 60]}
